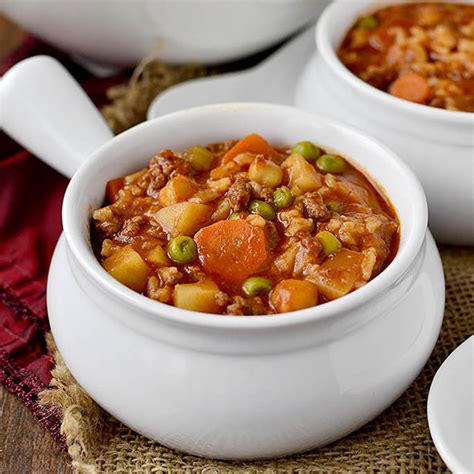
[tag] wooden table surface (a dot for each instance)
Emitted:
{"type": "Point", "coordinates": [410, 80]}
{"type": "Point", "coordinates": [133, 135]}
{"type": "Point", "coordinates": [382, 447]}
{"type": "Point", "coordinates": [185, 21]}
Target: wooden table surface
{"type": "Point", "coordinates": [25, 446]}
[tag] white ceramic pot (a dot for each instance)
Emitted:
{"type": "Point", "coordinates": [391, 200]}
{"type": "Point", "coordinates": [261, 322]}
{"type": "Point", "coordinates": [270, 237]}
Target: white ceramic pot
{"type": "Point", "coordinates": [220, 386]}
{"type": "Point", "coordinates": [437, 144]}
{"type": "Point", "coordinates": [122, 33]}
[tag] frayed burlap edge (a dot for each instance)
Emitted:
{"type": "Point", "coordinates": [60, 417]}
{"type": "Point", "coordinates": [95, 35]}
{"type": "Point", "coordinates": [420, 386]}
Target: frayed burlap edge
{"type": "Point", "coordinates": [396, 441]}
{"type": "Point", "coordinates": [129, 102]}
{"type": "Point", "coordinates": [81, 416]}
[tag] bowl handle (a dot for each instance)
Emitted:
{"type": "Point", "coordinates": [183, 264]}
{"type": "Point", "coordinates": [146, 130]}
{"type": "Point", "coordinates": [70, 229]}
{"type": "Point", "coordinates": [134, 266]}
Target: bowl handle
{"type": "Point", "coordinates": [44, 109]}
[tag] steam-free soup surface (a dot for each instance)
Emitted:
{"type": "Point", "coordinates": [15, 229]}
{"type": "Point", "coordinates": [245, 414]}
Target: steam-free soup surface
{"type": "Point", "coordinates": [245, 228]}
{"type": "Point", "coordinates": [421, 52]}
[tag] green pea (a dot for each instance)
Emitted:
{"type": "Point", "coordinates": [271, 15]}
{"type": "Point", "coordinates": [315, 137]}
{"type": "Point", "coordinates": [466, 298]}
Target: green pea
{"type": "Point", "coordinates": [309, 150]}
{"type": "Point", "coordinates": [263, 209]}
{"type": "Point", "coordinates": [200, 158]}
{"type": "Point", "coordinates": [335, 206]}
{"type": "Point", "coordinates": [367, 22]}
{"type": "Point", "coordinates": [282, 197]}
{"type": "Point", "coordinates": [331, 164]}
{"type": "Point", "coordinates": [256, 286]}
{"type": "Point", "coordinates": [234, 216]}
{"type": "Point", "coordinates": [329, 242]}
{"type": "Point", "coordinates": [182, 249]}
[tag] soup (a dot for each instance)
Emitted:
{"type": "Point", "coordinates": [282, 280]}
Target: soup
{"type": "Point", "coordinates": [245, 228]}
{"type": "Point", "coordinates": [421, 52]}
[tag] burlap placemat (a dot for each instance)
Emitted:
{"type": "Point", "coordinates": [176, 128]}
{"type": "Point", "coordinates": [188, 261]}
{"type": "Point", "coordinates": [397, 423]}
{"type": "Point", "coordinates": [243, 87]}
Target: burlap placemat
{"type": "Point", "coordinates": [396, 441]}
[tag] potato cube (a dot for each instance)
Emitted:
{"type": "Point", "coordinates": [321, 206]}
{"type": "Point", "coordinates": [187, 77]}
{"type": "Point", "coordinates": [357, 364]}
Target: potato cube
{"type": "Point", "coordinates": [157, 256]}
{"type": "Point", "coordinates": [339, 273]}
{"type": "Point", "coordinates": [265, 172]}
{"type": "Point", "coordinates": [244, 159]}
{"type": "Point", "coordinates": [135, 177]}
{"type": "Point", "coordinates": [197, 296]}
{"type": "Point", "coordinates": [128, 267]}
{"type": "Point", "coordinates": [220, 185]}
{"type": "Point", "coordinates": [224, 170]}
{"type": "Point", "coordinates": [302, 176]}
{"type": "Point", "coordinates": [184, 218]}
{"type": "Point", "coordinates": [177, 189]}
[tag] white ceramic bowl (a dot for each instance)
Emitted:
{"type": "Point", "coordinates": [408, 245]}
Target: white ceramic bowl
{"type": "Point", "coordinates": [122, 33]}
{"type": "Point", "coordinates": [450, 409]}
{"type": "Point", "coordinates": [437, 144]}
{"type": "Point", "coordinates": [219, 386]}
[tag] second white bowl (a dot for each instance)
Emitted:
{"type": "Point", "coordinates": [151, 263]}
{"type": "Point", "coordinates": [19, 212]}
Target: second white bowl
{"type": "Point", "coordinates": [122, 33]}
{"type": "Point", "coordinates": [437, 144]}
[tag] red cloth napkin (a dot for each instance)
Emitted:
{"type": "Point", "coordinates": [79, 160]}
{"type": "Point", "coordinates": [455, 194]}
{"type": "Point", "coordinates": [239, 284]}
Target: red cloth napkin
{"type": "Point", "coordinates": [31, 194]}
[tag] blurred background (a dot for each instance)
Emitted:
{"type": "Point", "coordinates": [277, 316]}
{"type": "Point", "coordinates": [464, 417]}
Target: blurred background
{"type": "Point", "coordinates": [11, 36]}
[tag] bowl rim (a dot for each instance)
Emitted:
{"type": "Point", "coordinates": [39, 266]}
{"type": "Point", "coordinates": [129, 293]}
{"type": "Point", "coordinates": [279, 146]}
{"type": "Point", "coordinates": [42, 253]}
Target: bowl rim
{"type": "Point", "coordinates": [327, 21]}
{"type": "Point", "coordinates": [406, 255]}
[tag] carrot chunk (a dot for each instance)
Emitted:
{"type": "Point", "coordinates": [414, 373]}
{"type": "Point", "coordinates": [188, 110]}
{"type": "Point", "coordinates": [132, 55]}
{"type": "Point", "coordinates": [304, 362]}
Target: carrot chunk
{"type": "Point", "coordinates": [232, 249]}
{"type": "Point", "coordinates": [250, 144]}
{"type": "Point", "coordinates": [112, 189]}
{"type": "Point", "coordinates": [292, 295]}
{"type": "Point", "coordinates": [412, 87]}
